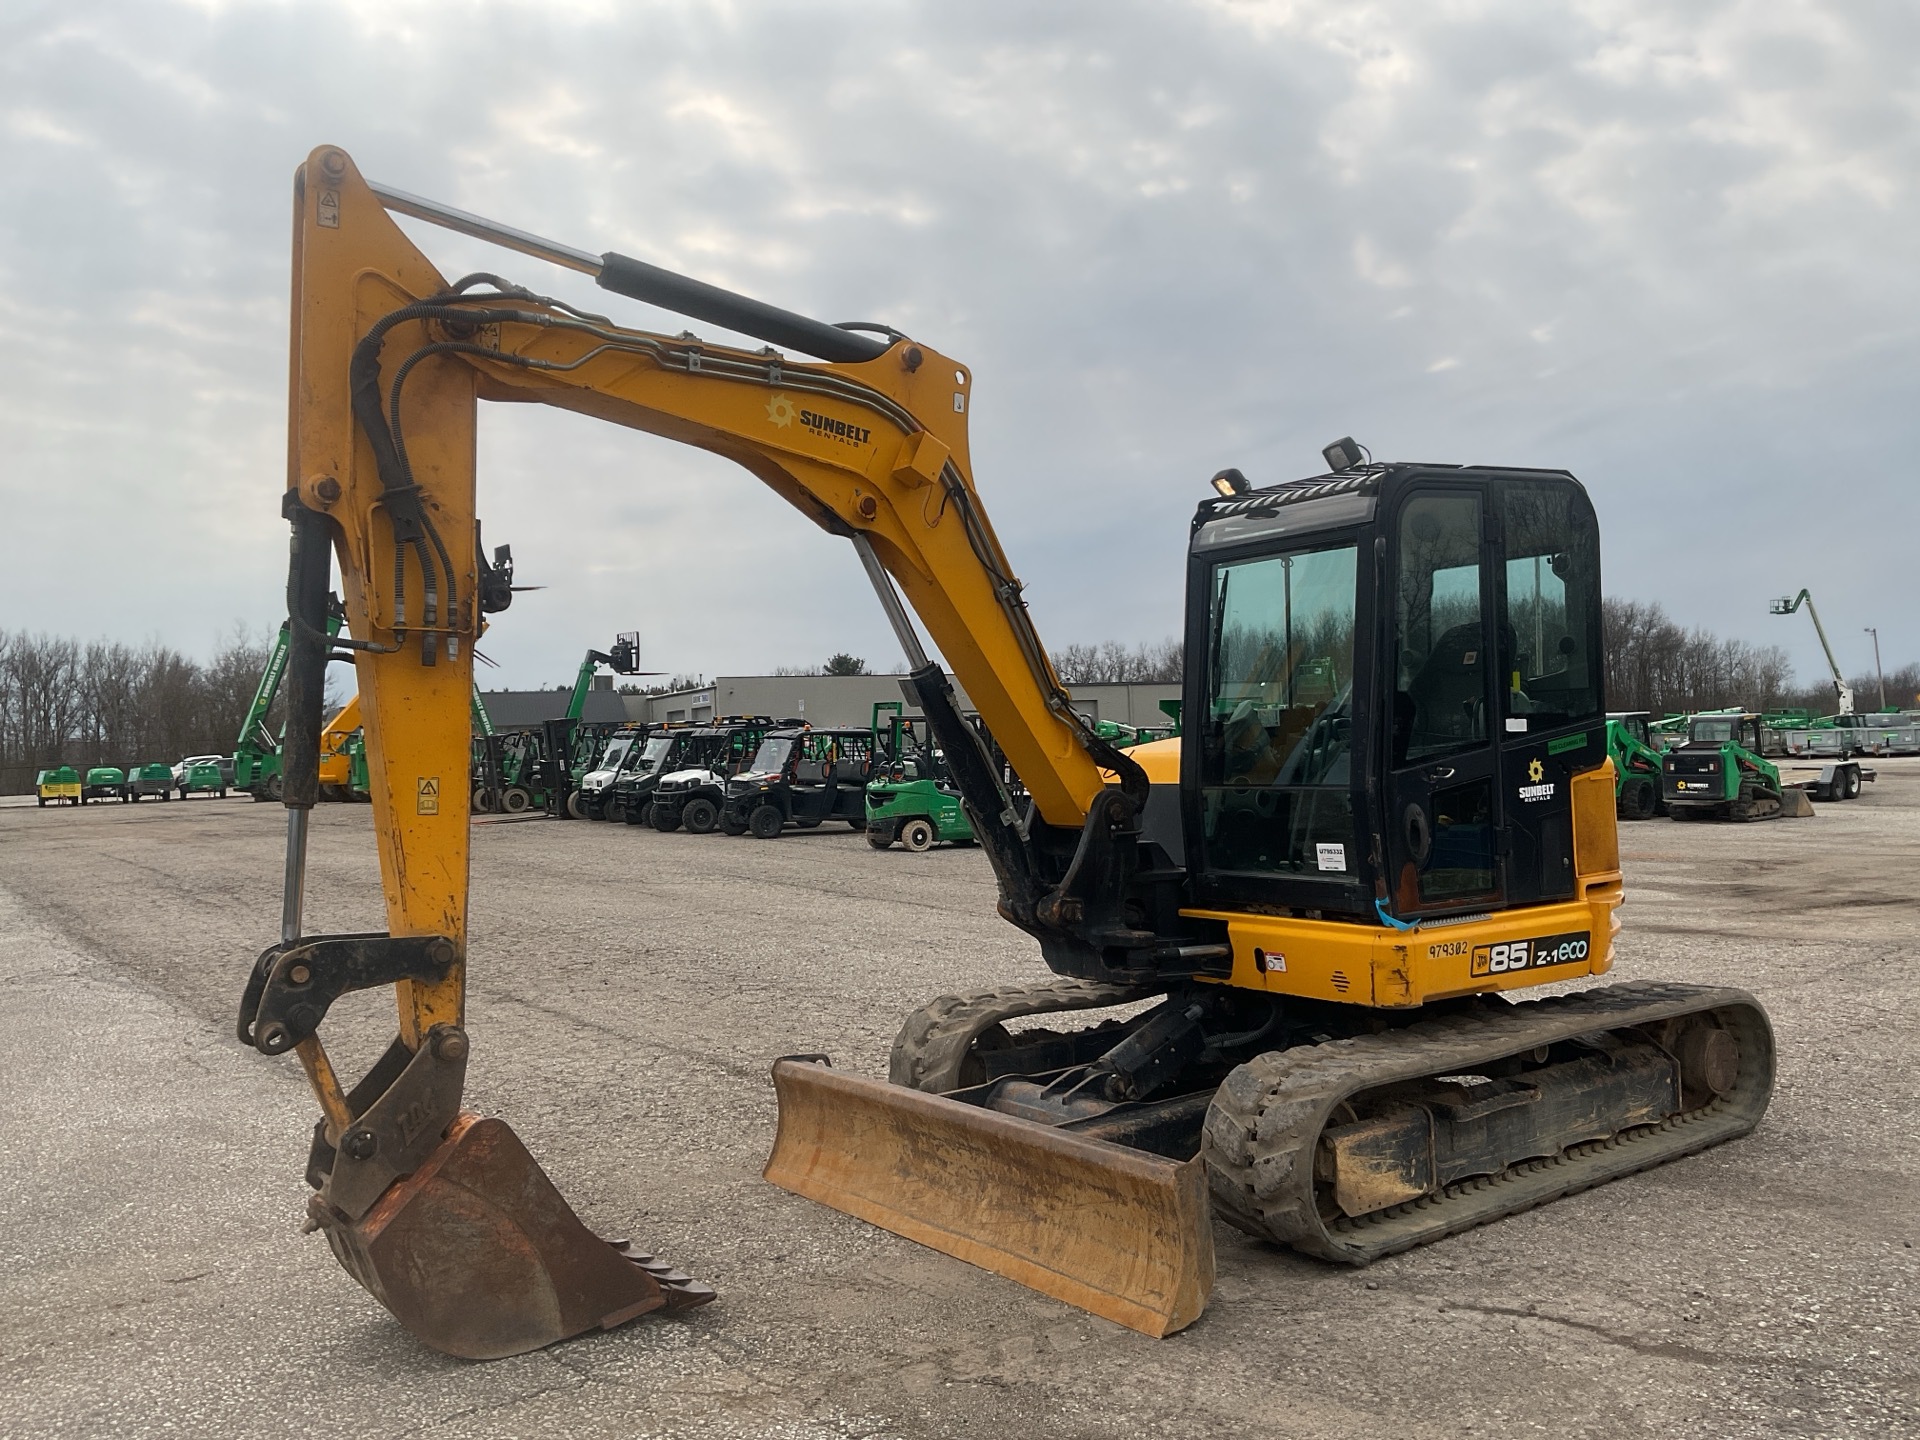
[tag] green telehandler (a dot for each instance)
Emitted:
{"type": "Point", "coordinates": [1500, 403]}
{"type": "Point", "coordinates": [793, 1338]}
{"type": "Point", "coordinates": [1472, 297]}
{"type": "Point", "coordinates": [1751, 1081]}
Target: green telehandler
{"type": "Point", "coordinates": [542, 769]}
{"type": "Point", "coordinates": [256, 754]}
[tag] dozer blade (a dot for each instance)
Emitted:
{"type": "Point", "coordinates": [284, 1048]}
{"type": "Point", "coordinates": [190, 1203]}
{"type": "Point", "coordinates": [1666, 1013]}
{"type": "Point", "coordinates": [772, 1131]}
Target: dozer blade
{"type": "Point", "coordinates": [1118, 1232]}
{"type": "Point", "coordinates": [478, 1255]}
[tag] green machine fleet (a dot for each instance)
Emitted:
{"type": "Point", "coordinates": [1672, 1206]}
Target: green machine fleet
{"type": "Point", "coordinates": [1722, 771]}
{"type": "Point", "coordinates": [1636, 766]}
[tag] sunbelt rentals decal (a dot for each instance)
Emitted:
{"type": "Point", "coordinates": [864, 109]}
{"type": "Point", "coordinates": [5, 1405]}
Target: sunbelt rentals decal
{"type": "Point", "coordinates": [1537, 789]}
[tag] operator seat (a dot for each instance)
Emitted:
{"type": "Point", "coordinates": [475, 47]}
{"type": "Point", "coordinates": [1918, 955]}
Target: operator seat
{"type": "Point", "coordinates": [1449, 694]}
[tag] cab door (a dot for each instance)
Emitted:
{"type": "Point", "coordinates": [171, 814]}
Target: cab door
{"type": "Point", "coordinates": [1444, 798]}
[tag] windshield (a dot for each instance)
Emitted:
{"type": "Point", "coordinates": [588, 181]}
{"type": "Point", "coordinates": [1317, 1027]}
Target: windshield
{"type": "Point", "coordinates": [771, 757]}
{"type": "Point", "coordinates": [652, 754]}
{"type": "Point", "coordinates": [1275, 763]}
{"type": "Point", "coordinates": [1715, 732]}
{"type": "Point", "coordinates": [616, 752]}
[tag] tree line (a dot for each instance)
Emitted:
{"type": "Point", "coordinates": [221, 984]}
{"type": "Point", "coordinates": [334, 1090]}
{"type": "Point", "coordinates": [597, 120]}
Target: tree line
{"type": "Point", "coordinates": [1658, 665]}
{"type": "Point", "coordinates": [65, 702]}
{"type": "Point", "coordinates": [68, 702]}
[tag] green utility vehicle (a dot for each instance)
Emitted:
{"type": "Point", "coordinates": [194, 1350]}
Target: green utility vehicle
{"type": "Point", "coordinates": [200, 776]}
{"type": "Point", "coordinates": [144, 781]}
{"type": "Point", "coordinates": [693, 792]}
{"type": "Point", "coordinates": [58, 783]}
{"type": "Point", "coordinates": [104, 782]}
{"type": "Point", "coordinates": [1636, 765]}
{"type": "Point", "coordinates": [800, 777]}
{"type": "Point", "coordinates": [1720, 773]}
{"type": "Point", "coordinates": [667, 750]}
{"type": "Point", "coordinates": [594, 797]}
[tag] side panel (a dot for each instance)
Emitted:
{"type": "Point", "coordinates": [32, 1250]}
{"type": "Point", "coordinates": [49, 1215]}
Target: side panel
{"type": "Point", "coordinates": [1372, 965]}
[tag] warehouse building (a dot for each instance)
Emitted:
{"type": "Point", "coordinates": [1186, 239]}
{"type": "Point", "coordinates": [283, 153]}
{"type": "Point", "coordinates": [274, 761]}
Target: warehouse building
{"type": "Point", "coordinates": [849, 699]}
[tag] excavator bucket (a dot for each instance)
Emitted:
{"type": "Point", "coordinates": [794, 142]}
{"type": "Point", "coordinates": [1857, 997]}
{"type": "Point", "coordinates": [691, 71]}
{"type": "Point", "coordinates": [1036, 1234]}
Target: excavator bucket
{"type": "Point", "coordinates": [1123, 1234]}
{"type": "Point", "coordinates": [478, 1255]}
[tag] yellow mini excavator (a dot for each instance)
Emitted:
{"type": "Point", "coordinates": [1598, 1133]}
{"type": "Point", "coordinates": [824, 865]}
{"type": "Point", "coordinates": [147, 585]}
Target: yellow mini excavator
{"type": "Point", "coordinates": [1391, 810]}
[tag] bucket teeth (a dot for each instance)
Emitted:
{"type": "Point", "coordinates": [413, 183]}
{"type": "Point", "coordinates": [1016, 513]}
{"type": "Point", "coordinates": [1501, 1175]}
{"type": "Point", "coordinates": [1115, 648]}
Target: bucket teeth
{"type": "Point", "coordinates": [479, 1256]}
{"type": "Point", "coordinates": [681, 1290]}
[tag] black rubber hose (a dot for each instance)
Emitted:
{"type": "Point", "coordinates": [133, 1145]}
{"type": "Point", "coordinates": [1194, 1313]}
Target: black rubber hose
{"type": "Point", "coordinates": [640, 281]}
{"type": "Point", "coordinates": [309, 568]}
{"type": "Point", "coordinates": [977, 779]}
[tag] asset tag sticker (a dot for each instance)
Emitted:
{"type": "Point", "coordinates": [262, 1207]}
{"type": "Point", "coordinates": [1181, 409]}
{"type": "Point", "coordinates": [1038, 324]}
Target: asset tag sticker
{"type": "Point", "coordinates": [427, 795]}
{"type": "Point", "coordinates": [1331, 857]}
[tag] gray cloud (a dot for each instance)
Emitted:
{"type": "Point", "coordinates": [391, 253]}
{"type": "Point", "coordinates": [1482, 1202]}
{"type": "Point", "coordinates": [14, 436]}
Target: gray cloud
{"type": "Point", "coordinates": [1665, 247]}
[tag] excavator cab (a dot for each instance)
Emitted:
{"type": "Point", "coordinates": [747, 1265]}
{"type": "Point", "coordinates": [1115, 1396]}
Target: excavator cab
{"type": "Point", "coordinates": [1422, 773]}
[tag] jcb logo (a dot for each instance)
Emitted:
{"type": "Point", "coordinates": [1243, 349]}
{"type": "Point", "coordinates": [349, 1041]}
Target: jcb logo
{"type": "Point", "coordinates": [1499, 959]}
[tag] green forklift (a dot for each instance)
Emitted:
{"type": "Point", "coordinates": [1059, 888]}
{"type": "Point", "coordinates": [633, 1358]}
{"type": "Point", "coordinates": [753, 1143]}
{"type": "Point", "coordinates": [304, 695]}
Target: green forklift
{"type": "Point", "coordinates": [1636, 765]}
{"type": "Point", "coordinates": [911, 798]}
{"type": "Point", "coordinates": [520, 770]}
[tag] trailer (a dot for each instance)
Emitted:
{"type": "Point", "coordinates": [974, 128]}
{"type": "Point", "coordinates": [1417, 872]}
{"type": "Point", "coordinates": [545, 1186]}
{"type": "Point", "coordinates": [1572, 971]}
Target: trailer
{"type": "Point", "coordinates": [1826, 779]}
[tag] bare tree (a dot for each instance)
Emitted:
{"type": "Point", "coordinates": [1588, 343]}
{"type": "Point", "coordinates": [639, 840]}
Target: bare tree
{"type": "Point", "coordinates": [1111, 663]}
{"type": "Point", "coordinates": [1653, 664]}
{"type": "Point", "coordinates": [106, 703]}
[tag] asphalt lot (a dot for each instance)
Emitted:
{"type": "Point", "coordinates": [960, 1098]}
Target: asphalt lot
{"type": "Point", "coordinates": [629, 990]}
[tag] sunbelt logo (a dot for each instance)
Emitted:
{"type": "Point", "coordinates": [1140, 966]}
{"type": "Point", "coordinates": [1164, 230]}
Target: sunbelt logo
{"type": "Point", "coordinates": [782, 412]}
{"type": "Point", "coordinates": [1538, 790]}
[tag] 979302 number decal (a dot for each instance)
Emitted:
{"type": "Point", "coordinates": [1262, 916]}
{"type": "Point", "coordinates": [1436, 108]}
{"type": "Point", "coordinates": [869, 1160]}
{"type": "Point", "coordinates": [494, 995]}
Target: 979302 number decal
{"type": "Point", "coordinates": [1535, 954]}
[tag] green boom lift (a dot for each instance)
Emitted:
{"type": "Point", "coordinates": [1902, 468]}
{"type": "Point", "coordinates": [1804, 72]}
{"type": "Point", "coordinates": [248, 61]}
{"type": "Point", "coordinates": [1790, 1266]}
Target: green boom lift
{"type": "Point", "coordinates": [1786, 605]}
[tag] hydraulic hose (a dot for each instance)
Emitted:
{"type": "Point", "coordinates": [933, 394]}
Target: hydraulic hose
{"type": "Point", "coordinates": [308, 571]}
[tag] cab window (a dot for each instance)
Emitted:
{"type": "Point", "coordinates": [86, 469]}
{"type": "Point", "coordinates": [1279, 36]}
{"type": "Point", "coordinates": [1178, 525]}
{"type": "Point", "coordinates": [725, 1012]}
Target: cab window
{"type": "Point", "coordinates": [1441, 660]}
{"type": "Point", "coordinates": [1550, 631]}
{"type": "Point", "coordinates": [1276, 749]}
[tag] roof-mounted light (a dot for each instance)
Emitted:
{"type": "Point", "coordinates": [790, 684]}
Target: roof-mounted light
{"type": "Point", "coordinates": [1344, 454]}
{"type": "Point", "coordinates": [1231, 482]}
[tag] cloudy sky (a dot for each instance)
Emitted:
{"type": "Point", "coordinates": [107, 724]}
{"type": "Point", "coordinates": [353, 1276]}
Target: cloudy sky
{"type": "Point", "coordinates": [1669, 247]}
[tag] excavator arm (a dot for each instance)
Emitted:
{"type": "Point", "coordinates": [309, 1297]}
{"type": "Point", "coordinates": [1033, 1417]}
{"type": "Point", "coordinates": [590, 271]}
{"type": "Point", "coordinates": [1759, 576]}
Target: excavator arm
{"type": "Point", "coordinates": [442, 1216]}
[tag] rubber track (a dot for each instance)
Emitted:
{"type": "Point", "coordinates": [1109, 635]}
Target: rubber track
{"type": "Point", "coordinates": [933, 1042]}
{"type": "Point", "coordinates": [1266, 1119]}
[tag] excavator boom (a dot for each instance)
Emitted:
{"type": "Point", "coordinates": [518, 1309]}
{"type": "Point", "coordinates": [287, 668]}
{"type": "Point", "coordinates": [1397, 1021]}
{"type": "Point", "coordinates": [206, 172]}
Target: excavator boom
{"type": "Point", "coordinates": [389, 360]}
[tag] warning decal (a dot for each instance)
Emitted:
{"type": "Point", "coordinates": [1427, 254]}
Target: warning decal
{"type": "Point", "coordinates": [427, 795]}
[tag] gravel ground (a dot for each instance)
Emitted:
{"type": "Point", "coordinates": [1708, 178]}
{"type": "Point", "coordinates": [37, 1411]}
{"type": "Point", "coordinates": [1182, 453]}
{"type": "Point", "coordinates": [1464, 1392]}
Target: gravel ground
{"type": "Point", "coordinates": [629, 990]}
